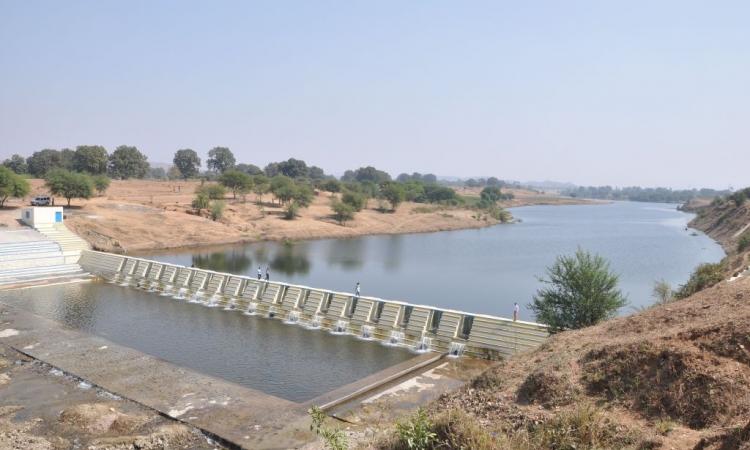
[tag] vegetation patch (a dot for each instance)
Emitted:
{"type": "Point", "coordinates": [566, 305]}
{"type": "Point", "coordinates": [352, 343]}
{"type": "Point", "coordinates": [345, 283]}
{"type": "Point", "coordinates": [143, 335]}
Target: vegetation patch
{"type": "Point", "coordinates": [729, 340]}
{"type": "Point", "coordinates": [662, 381]}
{"type": "Point", "coordinates": [547, 388]}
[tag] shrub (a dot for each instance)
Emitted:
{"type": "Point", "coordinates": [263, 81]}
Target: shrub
{"type": "Point", "coordinates": [342, 212]}
{"type": "Point", "coordinates": [101, 183]}
{"type": "Point", "coordinates": [217, 209]}
{"type": "Point", "coordinates": [744, 242]}
{"type": "Point", "coordinates": [416, 433]}
{"type": "Point", "coordinates": [200, 201]}
{"type": "Point", "coordinates": [292, 211]}
{"type": "Point", "coordinates": [333, 439]}
{"type": "Point", "coordinates": [213, 191]}
{"type": "Point", "coordinates": [704, 276]}
{"type": "Point", "coordinates": [394, 193]}
{"type": "Point", "coordinates": [662, 292]}
{"type": "Point", "coordinates": [236, 181]}
{"type": "Point", "coordinates": [354, 199]}
{"type": "Point", "coordinates": [581, 292]}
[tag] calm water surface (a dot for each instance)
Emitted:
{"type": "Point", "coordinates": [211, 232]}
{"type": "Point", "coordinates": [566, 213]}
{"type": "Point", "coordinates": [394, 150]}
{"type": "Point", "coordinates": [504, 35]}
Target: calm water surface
{"type": "Point", "coordinates": [486, 270]}
{"type": "Point", "coordinates": [287, 361]}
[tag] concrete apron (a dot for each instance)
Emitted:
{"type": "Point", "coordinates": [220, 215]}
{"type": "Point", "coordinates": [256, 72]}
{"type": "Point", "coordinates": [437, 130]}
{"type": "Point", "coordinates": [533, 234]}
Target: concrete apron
{"type": "Point", "coordinates": [238, 416]}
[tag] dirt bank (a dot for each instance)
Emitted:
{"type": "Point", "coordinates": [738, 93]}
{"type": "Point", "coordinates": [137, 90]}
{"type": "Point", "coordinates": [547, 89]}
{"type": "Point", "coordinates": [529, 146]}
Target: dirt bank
{"type": "Point", "coordinates": [143, 215]}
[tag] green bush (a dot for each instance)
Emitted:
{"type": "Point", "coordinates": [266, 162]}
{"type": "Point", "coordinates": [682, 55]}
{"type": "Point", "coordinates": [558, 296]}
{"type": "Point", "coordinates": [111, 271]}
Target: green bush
{"type": "Point", "coordinates": [217, 209]}
{"type": "Point", "coordinates": [744, 242]}
{"type": "Point", "coordinates": [200, 201]}
{"type": "Point", "coordinates": [292, 211]}
{"type": "Point", "coordinates": [354, 199]}
{"type": "Point", "coordinates": [416, 433]}
{"type": "Point", "coordinates": [213, 191]}
{"type": "Point", "coordinates": [342, 212]}
{"type": "Point", "coordinates": [12, 185]}
{"type": "Point", "coordinates": [333, 439]}
{"type": "Point", "coordinates": [581, 292]}
{"type": "Point", "coordinates": [704, 276]}
{"type": "Point", "coordinates": [101, 183]}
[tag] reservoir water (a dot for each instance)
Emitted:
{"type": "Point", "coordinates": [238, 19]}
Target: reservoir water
{"type": "Point", "coordinates": [287, 361]}
{"type": "Point", "coordinates": [483, 270]}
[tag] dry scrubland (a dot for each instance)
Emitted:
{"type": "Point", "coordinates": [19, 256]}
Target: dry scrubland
{"type": "Point", "coordinates": [675, 376]}
{"type": "Point", "coordinates": [140, 215]}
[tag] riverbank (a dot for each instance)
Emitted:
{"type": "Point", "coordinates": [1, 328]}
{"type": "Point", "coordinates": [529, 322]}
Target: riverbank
{"type": "Point", "coordinates": [138, 215]}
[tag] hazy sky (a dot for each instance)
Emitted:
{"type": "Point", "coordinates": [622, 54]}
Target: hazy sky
{"type": "Point", "coordinates": [599, 92]}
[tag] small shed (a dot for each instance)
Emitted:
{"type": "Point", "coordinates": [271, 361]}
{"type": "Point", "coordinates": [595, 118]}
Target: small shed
{"type": "Point", "coordinates": [36, 216]}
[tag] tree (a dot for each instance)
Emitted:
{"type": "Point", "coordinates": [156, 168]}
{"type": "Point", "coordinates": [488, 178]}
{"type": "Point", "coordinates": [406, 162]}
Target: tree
{"type": "Point", "coordinates": [236, 181]}
{"type": "Point", "coordinates": [249, 169]}
{"type": "Point", "coordinates": [354, 199]}
{"type": "Point", "coordinates": [370, 174]}
{"type": "Point", "coordinates": [282, 188]}
{"type": "Point", "coordinates": [316, 173]}
{"type": "Point", "coordinates": [220, 159]}
{"type": "Point", "coordinates": [581, 291]}
{"type": "Point", "coordinates": [101, 183]}
{"type": "Point", "coordinates": [293, 168]}
{"type": "Point", "coordinates": [261, 185]}
{"type": "Point", "coordinates": [12, 185]}
{"type": "Point", "coordinates": [91, 159]}
{"type": "Point", "coordinates": [41, 162]}
{"type": "Point", "coordinates": [156, 173]}
{"type": "Point", "coordinates": [429, 178]}
{"type": "Point", "coordinates": [331, 185]}
{"type": "Point", "coordinates": [69, 184]}
{"type": "Point", "coordinates": [343, 212]}
{"type": "Point", "coordinates": [16, 163]}
{"type": "Point", "coordinates": [394, 193]}
{"type": "Point", "coordinates": [187, 162]}
{"type": "Point", "coordinates": [128, 162]}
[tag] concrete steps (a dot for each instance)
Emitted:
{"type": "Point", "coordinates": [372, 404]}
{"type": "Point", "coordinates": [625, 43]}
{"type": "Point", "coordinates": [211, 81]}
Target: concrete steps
{"type": "Point", "coordinates": [28, 274]}
{"type": "Point", "coordinates": [69, 241]}
{"type": "Point", "coordinates": [23, 262]}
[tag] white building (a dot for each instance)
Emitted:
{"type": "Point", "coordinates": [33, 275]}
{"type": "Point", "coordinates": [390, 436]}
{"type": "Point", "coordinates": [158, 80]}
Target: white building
{"type": "Point", "coordinates": [42, 215]}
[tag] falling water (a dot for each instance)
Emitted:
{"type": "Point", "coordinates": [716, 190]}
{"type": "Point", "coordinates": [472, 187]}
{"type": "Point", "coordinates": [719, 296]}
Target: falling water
{"type": "Point", "coordinates": [251, 308]}
{"type": "Point", "coordinates": [196, 298]}
{"type": "Point", "coordinates": [272, 311]}
{"type": "Point", "coordinates": [340, 327]}
{"type": "Point", "coordinates": [126, 281]}
{"type": "Point", "coordinates": [395, 338]}
{"type": "Point", "coordinates": [180, 295]}
{"type": "Point", "coordinates": [293, 317]}
{"type": "Point", "coordinates": [424, 344]}
{"type": "Point", "coordinates": [167, 291]}
{"type": "Point", "coordinates": [456, 349]}
{"type": "Point", "coordinates": [231, 304]}
{"type": "Point", "coordinates": [367, 332]}
{"type": "Point", "coordinates": [314, 322]}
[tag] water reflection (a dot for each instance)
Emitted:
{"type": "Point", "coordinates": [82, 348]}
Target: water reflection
{"type": "Point", "coordinates": [233, 261]}
{"type": "Point", "coordinates": [291, 260]}
{"type": "Point", "coordinates": [393, 253]}
{"type": "Point", "coordinates": [348, 254]}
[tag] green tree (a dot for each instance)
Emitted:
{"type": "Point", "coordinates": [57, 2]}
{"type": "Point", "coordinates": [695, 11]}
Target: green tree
{"type": "Point", "coordinates": [128, 162]}
{"type": "Point", "coordinates": [354, 199]}
{"type": "Point", "coordinates": [41, 162]}
{"type": "Point", "coordinates": [220, 159]}
{"type": "Point", "coordinates": [342, 212]}
{"type": "Point", "coordinates": [201, 201]}
{"type": "Point", "coordinates": [17, 164]}
{"type": "Point", "coordinates": [331, 185]}
{"type": "Point", "coordinates": [368, 173]}
{"type": "Point", "coordinates": [187, 162]}
{"type": "Point", "coordinates": [91, 159]}
{"type": "Point", "coordinates": [12, 185]}
{"type": "Point", "coordinates": [293, 168]}
{"type": "Point", "coordinates": [69, 184]}
{"type": "Point", "coordinates": [217, 209]}
{"type": "Point", "coordinates": [249, 169]}
{"type": "Point", "coordinates": [581, 291]}
{"type": "Point", "coordinates": [394, 193]}
{"type": "Point", "coordinates": [236, 181]}
{"type": "Point", "coordinates": [101, 183]}
{"type": "Point", "coordinates": [282, 188]}
{"type": "Point", "coordinates": [261, 186]}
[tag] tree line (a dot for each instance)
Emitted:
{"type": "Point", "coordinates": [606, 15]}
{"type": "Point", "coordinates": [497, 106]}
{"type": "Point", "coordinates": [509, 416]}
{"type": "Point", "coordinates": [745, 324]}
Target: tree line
{"type": "Point", "coordinates": [639, 194]}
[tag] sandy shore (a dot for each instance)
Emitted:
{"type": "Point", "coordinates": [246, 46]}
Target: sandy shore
{"type": "Point", "coordinates": [138, 215]}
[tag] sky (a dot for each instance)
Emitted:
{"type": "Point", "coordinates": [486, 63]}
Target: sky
{"type": "Point", "coordinates": [650, 93]}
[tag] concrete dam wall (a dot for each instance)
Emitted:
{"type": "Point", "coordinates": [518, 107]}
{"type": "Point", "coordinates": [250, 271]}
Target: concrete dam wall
{"type": "Point", "coordinates": [422, 328]}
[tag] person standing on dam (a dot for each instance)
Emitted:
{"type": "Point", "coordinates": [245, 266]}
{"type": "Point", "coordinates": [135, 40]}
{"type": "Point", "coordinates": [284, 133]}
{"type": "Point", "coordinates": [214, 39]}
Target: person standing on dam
{"type": "Point", "coordinates": [268, 274]}
{"type": "Point", "coordinates": [260, 273]}
{"type": "Point", "coordinates": [516, 311]}
{"type": "Point", "coordinates": [356, 290]}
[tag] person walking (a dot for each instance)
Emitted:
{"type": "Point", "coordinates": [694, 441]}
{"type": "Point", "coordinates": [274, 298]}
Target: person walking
{"type": "Point", "coordinates": [516, 311]}
{"type": "Point", "coordinates": [260, 273]}
{"type": "Point", "coordinates": [268, 275]}
{"type": "Point", "coordinates": [356, 290]}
